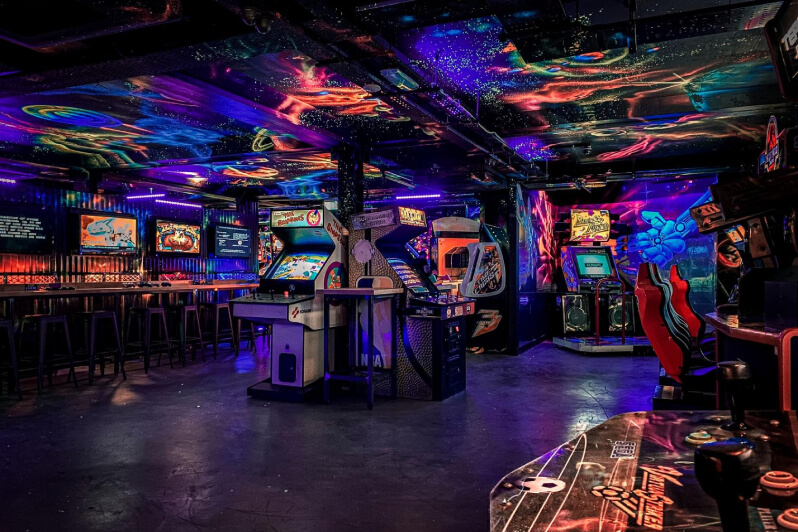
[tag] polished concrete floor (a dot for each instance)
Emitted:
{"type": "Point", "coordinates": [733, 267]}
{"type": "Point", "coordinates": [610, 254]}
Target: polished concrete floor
{"type": "Point", "coordinates": [185, 449]}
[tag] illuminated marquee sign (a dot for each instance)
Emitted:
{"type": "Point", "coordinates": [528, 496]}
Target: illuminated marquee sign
{"type": "Point", "coordinates": [590, 225]}
{"type": "Point", "coordinates": [298, 218]}
{"type": "Point", "coordinates": [415, 217]}
{"type": "Point", "coordinates": [770, 159]}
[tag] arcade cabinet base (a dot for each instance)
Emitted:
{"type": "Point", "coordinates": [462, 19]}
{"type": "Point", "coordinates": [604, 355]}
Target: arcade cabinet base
{"type": "Point", "coordinates": [637, 345]}
{"type": "Point", "coordinates": [265, 390]}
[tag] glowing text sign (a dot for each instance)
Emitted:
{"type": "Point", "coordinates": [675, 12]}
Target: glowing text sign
{"type": "Point", "coordinates": [414, 217]}
{"type": "Point", "coordinates": [588, 225]}
{"type": "Point", "coordinates": [297, 218]}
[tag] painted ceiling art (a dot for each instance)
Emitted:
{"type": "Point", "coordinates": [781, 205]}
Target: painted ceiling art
{"type": "Point", "coordinates": [685, 95]}
{"type": "Point", "coordinates": [135, 123]}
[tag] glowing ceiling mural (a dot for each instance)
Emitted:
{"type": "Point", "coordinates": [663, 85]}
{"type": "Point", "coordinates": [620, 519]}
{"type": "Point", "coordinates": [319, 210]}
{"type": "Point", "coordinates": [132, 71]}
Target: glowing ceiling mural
{"type": "Point", "coordinates": [665, 96]}
{"type": "Point", "coordinates": [135, 122]}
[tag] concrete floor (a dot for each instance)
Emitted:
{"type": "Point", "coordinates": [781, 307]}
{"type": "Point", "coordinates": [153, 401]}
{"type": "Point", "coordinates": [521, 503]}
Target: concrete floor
{"type": "Point", "coordinates": [185, 449]}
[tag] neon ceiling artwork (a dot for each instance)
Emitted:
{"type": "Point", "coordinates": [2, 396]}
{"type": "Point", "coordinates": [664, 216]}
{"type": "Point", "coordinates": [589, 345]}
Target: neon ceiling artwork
{"type": "Point", "coordinates": [135, 122]}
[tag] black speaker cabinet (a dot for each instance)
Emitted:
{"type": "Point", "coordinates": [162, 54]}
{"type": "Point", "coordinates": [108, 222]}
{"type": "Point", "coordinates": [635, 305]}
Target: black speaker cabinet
{"type": "Point", "coordinates": [575, 313]}
{"type": "Point", "coordinates": [614, 313]}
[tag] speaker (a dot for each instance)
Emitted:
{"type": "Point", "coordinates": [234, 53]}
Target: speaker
{"type": "Point", "coordinates": [615, 312]}
{"type": "Point", "coordinates": [575, 313]}
{"type": "Point", "coordinates": [286, 367]}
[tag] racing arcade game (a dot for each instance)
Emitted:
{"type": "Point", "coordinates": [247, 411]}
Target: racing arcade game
{"type": "Point", "coordinates": [311, 259]}
{"type": "Point", "coordinates": [430, 361]}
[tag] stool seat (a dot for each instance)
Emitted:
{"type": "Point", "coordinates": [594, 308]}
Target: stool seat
{"type": "Point", "coordinates": [144, 317]}
{"type": "Point", "coordinates": [181, 316]}
{"type": "Point", "coordinates": [42, 322]}
{"type": "Point", "coordinates": [7, 329]}
{"type": "Point", "coordinates": [215, 309]}
{"type": "Point", "coordinates": [91, 321]}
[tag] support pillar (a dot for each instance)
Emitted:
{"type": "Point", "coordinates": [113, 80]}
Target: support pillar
{"type": "Point", "coordinates": [350, 182]}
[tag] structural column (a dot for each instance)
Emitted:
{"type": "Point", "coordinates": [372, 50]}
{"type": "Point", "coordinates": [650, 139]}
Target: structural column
{"type": "Point", "coordinates": [350, 182]}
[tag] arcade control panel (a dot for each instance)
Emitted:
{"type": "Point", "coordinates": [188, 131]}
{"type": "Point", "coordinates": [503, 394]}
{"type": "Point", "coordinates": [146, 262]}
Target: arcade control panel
{"type": "Point", "coordinates": [440, 306]}
{"type": "Point", "coordinates": [661, 470]}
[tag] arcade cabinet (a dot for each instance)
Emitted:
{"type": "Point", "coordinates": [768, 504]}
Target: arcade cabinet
{"type": "Point", "coordinates": [596, 304]}
{"type": "Point", "coordinates": [450, 256]}
{"type": "Point", "coordinates": [312, 258]}
{"type": "Point", "coordinates": [430, 338]}
{"type": "Point", "coordinates": [487, 282]}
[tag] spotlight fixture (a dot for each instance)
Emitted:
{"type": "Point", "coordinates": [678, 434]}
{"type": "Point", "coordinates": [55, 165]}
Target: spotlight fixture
{"type": "Point", "coordinates": [178, 204]}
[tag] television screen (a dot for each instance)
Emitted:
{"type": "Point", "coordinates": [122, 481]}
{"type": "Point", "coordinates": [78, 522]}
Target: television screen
{"type": "Point", "coordinates": [300, 266]}
{"type": "Point", "coordinates": [26, 229]}
{"type": "Point", "coordinates": [177, 237]}
{"type": "Point", "coordinates": [232, 241]}
{"type": "Point", "coordinates": [593, 265]}
{"type": "Point", "coordinates": [107, 233]}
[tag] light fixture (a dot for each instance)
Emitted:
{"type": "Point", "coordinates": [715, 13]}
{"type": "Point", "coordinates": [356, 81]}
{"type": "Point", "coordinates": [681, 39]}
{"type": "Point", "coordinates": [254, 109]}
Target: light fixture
{"type": "Point", "coordinates": [7, 181]}
{"type": "Point", "coordinates": [178, 203]}
{"type": "Point", "coordinates": [145, 196]}
{"type": "Point", "coordinates": [420, 196]}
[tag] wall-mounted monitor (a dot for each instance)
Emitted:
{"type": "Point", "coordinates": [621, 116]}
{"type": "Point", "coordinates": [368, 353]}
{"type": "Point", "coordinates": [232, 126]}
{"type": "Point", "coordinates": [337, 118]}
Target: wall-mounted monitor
{"type": "Point", "coordinates": [232, 241]}
{"type": "Point", "coordinates": [179, 238]}
{"type": "Point", "coordinates": [107, 233]}
{"type": "Point", "coordinates": [26, 228]}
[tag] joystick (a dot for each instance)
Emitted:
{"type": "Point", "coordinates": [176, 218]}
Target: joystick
{"type": "Point", "coordinates": [735, 377]}
{"type": "Point", "coordinates": [271, 293]}
{"type": "Point", "coordinates": [727, 471]}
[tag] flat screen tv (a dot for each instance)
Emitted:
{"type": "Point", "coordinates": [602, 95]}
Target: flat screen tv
{"type": "Point", "coordinates": [232, 241]}
{"type": "Point", "coordinates": [180, 238]}
{"type": "Point", "coordinates": [107, 233]}
{"type": "Point", "coordinates": [26, 228]}
{"type": "Point", "coordinates": [299, 266]}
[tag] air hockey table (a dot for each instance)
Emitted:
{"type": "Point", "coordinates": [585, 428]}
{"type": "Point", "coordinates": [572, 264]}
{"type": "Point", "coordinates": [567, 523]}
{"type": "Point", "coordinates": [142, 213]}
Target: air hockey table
{"type": "Point", "coordinates": [635, 472]}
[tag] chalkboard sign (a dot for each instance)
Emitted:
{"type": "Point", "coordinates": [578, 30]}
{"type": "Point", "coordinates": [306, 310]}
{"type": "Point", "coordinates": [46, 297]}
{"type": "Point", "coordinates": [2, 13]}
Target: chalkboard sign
{"type": "Point", "coordinates": [232, 241]}
{"type": "Point", "coordinates": [26, 228]}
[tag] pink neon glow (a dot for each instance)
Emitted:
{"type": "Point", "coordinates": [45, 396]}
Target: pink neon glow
{"type": "Point", "coordinates": [646, 145]}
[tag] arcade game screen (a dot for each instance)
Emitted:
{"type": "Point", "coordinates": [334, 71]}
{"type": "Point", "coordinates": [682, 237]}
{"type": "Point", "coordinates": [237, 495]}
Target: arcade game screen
{"type": "Point", "coordinates": [593, 265]}
{"type": "Point", "coordinates": [176, 237]}
{"type": "Point", "coordinates": [107, 234]}
{"type": "Point", "coordinates": [300, 266]}
{"type": "Point", "coordinates": [407, 275]}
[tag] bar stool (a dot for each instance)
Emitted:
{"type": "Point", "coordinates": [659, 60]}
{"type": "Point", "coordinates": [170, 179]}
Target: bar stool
{"type": "Point", "coordinates": [42, 323]}
{"type": "Point", "coordinates": [215, 310]}
{"type": "Point", "coordinates": [181, 314]}
{"type": "Point", "coordinates": [144, 317]}
{"type": "Point", "coordinates": [90, 322]}
{"type": "Point", "coordinates": [250, 333]}
{"type": "Point", "coordinates": [13, 378]}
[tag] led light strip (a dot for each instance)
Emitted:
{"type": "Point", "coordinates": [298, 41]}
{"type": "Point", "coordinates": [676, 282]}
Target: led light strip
{"type": "Point", "coordinates": [144, 196]}
{"type": "Point", "coordinates": [6, 180]}
{"type": "Point", "coordinates": [419, 196]}
{"type": "Point", "coordinates": [178, 203]}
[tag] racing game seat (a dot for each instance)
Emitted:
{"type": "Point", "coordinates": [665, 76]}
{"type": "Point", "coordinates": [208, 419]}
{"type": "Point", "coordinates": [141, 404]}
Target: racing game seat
{"type": "Point", "coordinates": [671, 333]}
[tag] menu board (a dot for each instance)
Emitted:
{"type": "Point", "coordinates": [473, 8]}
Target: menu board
{"type": "Point", "coordinates": [26, 229]}
{"type": "Point", "coordinates": [107, 233]}
{"type": "Point", "coordinates": [232, 241]}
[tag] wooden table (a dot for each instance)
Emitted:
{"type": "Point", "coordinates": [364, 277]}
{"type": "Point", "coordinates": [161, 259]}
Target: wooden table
{"type": "Point", "coordinates": [371, 295]}
{"type": "Point", "coordinates": [728, 327]}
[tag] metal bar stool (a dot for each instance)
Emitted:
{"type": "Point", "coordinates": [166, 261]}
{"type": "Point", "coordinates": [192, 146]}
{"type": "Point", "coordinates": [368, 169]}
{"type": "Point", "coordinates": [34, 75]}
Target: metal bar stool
{"type": "Point", "coordinates": [13, 378]}
{"type": "Point", "coordinates": [181, 316]}
{"type": "Point", "coordinates": [214, 310]}
{"type": "Point", "coordinates": [42, 324]}
{"type": "Point", "coordinates": [143, 316]}
{"type": "Point", "coordinates": [90, 322]}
